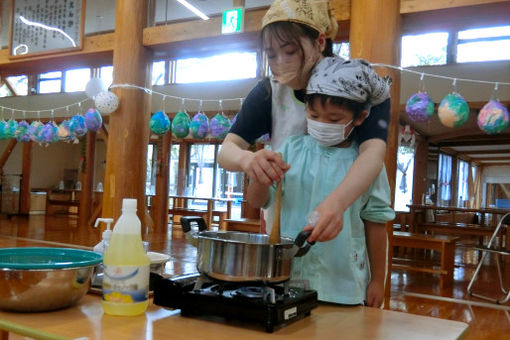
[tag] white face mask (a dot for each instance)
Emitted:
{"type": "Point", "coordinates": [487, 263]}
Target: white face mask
{"type": "Point", "coordinates": [327, 134]}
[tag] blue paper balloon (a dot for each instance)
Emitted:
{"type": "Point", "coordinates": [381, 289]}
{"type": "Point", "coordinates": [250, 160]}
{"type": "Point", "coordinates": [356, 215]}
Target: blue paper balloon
{"type": "Point", "coordinates": [77, 125]}
{"type": "Point", "coordinates": [220, 125]}
{"type": "Point", "coordinates": [49, 133]}
{"type": "Point", "coordinates": [63, 132]}
{"type": "Point", "coordinates": [22, 132]}
{"type": "Point", "coordinates": [93, 120]}
{"type": "Point", "coordinates": [2, 125]}
{"type": "Point", "coordinates": [10, 128]}
{"type": "Point", "coordinates": [199, 126]}
{"type": "Point", "coordinates": [159, 123]}
{"type": "Point", "coordinates": [35, 131]}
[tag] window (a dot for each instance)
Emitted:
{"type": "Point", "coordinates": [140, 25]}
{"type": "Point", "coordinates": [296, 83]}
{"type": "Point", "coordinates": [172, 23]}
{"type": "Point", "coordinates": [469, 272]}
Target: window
{"type": "Point", "coordinates": [19, 84]}
{"type": "Point", "coordinates": [219, 67]}
{"type": "Point", "coordinates": [342, 49]}
{"type": "Point", "coordinates": [444, 179]}
{"type": "Point", "coordinates": [150, 176]}
{"type": "Point", "coordinates": [50, 82]}
{"type": "Point", "coordinates": [106, 75]}
{"type": "Point", "coordinates": [4, 91]}
{"type": "Point", "coordinates": [404, 178]}
{"type": "Point", "coordinates": [76, 80]}
{"type": "Point", "coordinates": [158, 73]}
{"type": "Point", "coordinates": [424, 49]}
{"type": "Point", "coordinates": [462, 182]}
{"type": "Point", "coordinates": [174, 169]}
{"type": "Point", "coordinates": [483, 44]}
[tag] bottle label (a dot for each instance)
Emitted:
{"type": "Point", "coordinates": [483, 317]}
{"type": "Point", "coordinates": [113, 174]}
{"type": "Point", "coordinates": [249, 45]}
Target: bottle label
{"type": "Point", "coordinates": [126, 284]}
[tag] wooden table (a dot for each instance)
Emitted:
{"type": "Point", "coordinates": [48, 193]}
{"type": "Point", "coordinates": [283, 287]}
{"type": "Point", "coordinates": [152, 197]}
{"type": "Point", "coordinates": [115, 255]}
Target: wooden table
{"type": "Point", "coordinates": [86, 320]}
{"type": "Point", "coordinates": [250, 225]}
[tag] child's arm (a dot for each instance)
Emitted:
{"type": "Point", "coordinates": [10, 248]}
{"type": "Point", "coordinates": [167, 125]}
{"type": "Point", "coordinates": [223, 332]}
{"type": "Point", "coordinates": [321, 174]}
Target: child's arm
{"type": "Point", "coordinates": [375, 234]}
{"type": "Point", "coordinates": [257, 194]}
{"type": "Point", "coordinates": [357, 180]}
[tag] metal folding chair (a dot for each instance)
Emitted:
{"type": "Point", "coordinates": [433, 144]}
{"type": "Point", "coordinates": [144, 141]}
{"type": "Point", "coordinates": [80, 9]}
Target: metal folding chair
{"type": "Point", "coordinates": [499, 251]}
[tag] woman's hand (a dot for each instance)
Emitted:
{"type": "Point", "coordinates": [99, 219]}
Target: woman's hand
{"type": "Point", "coordinates": [375, 294]}
{"type": "Point", "coordinates": [264, 166]}
{"type": "Point", "coordinates": [330, 221]}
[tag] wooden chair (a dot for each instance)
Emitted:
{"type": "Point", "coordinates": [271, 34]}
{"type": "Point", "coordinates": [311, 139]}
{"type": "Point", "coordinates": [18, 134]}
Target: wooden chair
{"type": "Point", "coordinates": [498, 251]}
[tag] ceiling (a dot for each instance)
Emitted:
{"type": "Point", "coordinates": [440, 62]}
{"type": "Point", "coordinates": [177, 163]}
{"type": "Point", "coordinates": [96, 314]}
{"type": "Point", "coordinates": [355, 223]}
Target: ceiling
{"type": "Point", "coordinates": [468, 142]}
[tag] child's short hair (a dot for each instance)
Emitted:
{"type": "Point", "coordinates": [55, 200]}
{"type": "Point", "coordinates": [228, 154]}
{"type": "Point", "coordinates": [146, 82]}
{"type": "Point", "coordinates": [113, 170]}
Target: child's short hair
{"type": "Point", "coordinates": [355, 107]}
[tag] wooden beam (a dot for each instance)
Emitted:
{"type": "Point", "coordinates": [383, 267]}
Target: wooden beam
{"type": "Point", "coordinates": [7, 152]}
{"type": "Point", "coordinates": [160, 202]}
{"type": "Point", "coordinates": [97, 50]}
{"type": "Point", "coordinates": [455, 134]}
{"type": "Point", "coordinates": [85, 210]}
{"type": "Point", "coordinates": [412, 6]}
{"type": "Point", "coordinates": [26, 168]}
{"type": "Point", "coordinates": [486, 152]}
{"type": "Point", "coordinates": [481, 159]}
{"type": "Point", "coordinates": [126, 157]}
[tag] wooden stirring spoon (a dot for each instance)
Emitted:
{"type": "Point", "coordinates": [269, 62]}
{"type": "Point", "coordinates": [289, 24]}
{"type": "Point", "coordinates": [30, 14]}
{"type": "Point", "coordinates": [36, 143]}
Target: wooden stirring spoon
{"type": "Point", "coordinates": [274, 237]}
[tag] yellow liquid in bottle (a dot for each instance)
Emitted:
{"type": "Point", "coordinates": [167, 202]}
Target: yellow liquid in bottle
{"type": "Point", "coordinates": [125, 250]}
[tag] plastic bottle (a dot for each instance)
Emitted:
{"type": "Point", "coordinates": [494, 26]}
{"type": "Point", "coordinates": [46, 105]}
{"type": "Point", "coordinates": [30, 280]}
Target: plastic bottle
{"type": "Point", "coordinates": [126, 266]}
{"type": "Point", "coordinates": [106, 236]}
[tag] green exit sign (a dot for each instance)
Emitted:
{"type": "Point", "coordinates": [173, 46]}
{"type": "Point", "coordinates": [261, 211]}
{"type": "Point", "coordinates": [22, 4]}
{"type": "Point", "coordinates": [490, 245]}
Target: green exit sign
{"type": "Point", "coordinates": [233, 20]}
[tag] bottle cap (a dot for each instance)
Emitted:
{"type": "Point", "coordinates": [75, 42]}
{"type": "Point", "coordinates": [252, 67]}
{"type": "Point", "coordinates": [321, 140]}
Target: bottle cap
{"type": "Point", "coordinates": [129, 204]}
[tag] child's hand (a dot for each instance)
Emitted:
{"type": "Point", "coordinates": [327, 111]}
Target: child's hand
{"type": "Point", "coordinates": [265, 167]}
{"type": "Point", "coordinates": [330, 223]}
{"type": "Point", "coordinates": [375, 294]}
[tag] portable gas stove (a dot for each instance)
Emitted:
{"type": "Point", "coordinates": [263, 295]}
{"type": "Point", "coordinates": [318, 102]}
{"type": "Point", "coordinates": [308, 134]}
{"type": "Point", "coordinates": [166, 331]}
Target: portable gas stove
{"type": "Point", "coordinates": [271, 305]}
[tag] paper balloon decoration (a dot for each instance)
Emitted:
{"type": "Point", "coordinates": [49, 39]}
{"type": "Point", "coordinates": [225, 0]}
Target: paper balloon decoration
{"type": "Point", "coordinates": [199, 125]}
{"type": "Point", "coordinates": [493, 117]}
{"type": "Point", "coordinates": [35, 130]}
{"type": "Point", "coordinates": [220, 125]}
{"type": "Point", "coordinates": [106, 102]}
{"type": "Point", "coordinates": [264, 139]}
{"type": "Point", "coordinates": [93, 120]}
{"type": "Point", "coordinates": [77, 125]}
{"type": "Point", "coordinates": [420, 107]}
{"type": "Point", "coordinates": [2, 124]}
{"type": "Point", "coordinates": [180, 124]}
{"type": "Point", "coordinates": [159, 123]}
{"type": "Point", "coordinates": [10, 128]}
{"type": "Point", "coordinates": [453, 110]}
{"type": "Point", "coordinates": [22, 132]}
{"type": "Point", "coordinates": [48, 133]}
{"type": "Point", "coordinates": [94, 87]}
{"type": "Point", "coordinates": [63, 132]}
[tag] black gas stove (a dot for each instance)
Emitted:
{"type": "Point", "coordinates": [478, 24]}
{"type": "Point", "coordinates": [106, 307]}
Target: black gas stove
{"type": "Point", "coordinates": [271, 305]}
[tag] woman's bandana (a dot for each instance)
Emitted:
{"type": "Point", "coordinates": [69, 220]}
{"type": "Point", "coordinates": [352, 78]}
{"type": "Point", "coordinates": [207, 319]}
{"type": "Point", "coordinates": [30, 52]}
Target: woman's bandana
{"type": "Point", "coordinates": [352, 79]}
{"type": "Point", "coordinates": [314, 13]}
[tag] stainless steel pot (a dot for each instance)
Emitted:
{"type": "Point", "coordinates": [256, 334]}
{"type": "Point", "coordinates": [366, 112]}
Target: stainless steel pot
{"type": "Point", "coordinates": [239, 257]}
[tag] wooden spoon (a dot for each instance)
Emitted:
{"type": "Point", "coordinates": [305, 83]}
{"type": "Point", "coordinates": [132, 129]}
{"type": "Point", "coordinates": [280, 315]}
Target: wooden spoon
{"type": "Point", "coordinates": [274, 238]}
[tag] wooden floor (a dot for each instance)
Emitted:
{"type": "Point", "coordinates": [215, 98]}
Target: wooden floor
{"type": "Point", "coordinates": [416, 293]}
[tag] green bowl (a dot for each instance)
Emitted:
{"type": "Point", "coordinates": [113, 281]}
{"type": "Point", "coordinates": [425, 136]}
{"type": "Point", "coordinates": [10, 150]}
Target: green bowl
{"type": "Point", "coordinates": [47, 258]}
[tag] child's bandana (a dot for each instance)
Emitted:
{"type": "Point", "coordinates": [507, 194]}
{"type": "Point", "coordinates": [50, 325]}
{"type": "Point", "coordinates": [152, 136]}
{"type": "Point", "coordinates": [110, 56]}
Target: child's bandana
{"type": "Point", "coordinates": [314, 13]}
{"type": "Point", "coordinates": [352, 79]}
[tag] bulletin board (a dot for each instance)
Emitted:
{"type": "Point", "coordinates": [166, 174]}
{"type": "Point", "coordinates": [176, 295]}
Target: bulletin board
{"type": "Point", "coordinates": [45, 27]}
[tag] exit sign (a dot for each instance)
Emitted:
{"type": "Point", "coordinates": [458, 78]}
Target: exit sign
{"type": "Point", "coordinates": [233, 21]}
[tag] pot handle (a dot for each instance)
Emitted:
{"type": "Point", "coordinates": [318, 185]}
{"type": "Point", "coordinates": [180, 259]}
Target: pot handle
{"type": "Point", "coordinates": [300, 240]}
{"type": "Point", "coordinates": [187, 220]}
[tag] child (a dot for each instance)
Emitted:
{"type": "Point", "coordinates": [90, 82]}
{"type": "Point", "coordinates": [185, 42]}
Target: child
{"type": "Point", "coordinates": [338, 95]}
{"type": "Point", "coordinates": [297, 34]}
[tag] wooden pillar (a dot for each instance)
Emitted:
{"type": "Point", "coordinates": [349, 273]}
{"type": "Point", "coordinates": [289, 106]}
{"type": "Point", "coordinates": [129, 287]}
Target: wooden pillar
{"type": "Point", "coordinates": [183, 167]}
{"type": "Point", "coordinates": [375, 35]}
{"type": "Point", "coordinates": [126, 159]}
{"type": "Point", "coordinates": [87, 181]}
{"type": "Point", "coordinates": [26, 166]}
{"type": "Point", "coordinates": [420, 171]}
{"type": "Point", "coordinates": [160, 202]}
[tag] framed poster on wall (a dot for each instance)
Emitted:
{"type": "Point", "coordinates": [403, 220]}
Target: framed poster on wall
{"type": "Point", "coordinates": [45, 26]}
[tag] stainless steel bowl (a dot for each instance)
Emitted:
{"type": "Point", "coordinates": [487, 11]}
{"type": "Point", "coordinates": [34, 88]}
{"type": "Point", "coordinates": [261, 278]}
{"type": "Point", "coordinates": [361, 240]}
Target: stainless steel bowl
{"type": "Point", "coordinates": [44, 279]}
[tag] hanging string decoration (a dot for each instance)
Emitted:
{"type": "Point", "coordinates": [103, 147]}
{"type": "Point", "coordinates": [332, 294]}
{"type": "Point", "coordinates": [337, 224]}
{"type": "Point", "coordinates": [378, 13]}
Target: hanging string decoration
{"type": "Point", "coordinates": [420, 107]}
{"type": "Point", "coordinates": [77, 125]}
{"type": "Point", "coordinates": [180, 124]}
{"type": "Point", "coordinates": [493, 117]}
{"type": "Point", "coordinates": [48, 133]}
{"type": "Point", "coordinates": [453, 110]}
{"type": "Point", "coordinates": [93, 120]}
{"type": "Point", "coordinates": [159, 123]}
{"type": "Point", "coordinates": [407, 137]}
{"type": "Point", "coordinates": [106, 102]}
{"type": "Point", "coordinates": [22, 132]}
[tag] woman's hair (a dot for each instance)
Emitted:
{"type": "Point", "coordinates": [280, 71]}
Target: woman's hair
{"type": "Point", "coordinates": [292, 32]}
{"type": "Point", "coordinates": [351, 105]}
